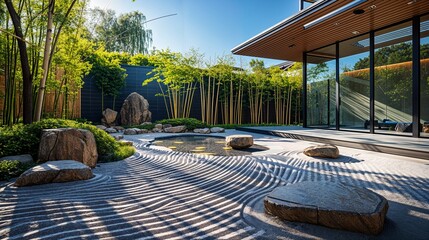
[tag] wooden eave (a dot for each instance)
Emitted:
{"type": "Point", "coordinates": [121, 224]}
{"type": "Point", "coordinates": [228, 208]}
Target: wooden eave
{"type": "Point", "coordinates": [288, 40]}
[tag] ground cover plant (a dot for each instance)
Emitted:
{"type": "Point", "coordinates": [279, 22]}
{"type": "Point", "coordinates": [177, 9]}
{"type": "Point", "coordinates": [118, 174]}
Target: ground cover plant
{"type": "Point", "coordinates": [25, 139]}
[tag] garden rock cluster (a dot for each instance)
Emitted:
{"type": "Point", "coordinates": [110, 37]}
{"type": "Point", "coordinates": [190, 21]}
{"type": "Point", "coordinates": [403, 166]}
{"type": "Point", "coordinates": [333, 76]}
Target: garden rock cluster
{"type": "Point", "coordinates": [330, 204]}
{"type": "Point", "coordinates": [209, 130]}
{"type": "Point", "coordinates": [135, 110]}
{"type": "Point", "coordinates": [68, 143]}
{"type": "Point", "coordinates": [54, 172]}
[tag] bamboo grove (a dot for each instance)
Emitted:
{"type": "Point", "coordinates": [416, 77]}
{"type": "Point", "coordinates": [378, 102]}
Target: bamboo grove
{"type": "Point", "coordinates": [227, 94]}
{"type": "Point", "coordinates": [47, 47]}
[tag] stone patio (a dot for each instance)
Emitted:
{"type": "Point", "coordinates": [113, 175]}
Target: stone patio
{"type": "Point", "coordinates": [164, 194]}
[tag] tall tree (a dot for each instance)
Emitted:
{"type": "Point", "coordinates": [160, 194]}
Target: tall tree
{"type": "Point", "coordinates": [126, 33]}
{"type": "Point", "coordinates": [25, 66]}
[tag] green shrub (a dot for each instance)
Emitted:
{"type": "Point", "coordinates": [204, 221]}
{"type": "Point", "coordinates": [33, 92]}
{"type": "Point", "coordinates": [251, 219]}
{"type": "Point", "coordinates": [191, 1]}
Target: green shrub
{"type": "Point", "coordinates": [190, 123]}
{"type": "Point", "coordinates": [12, 168]}
{"type": "Point", "coordinates": [22, 139]}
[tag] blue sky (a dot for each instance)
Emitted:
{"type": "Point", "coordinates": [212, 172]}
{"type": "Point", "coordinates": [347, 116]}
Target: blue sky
{"type": "Point", "coordinates": [212, 26]}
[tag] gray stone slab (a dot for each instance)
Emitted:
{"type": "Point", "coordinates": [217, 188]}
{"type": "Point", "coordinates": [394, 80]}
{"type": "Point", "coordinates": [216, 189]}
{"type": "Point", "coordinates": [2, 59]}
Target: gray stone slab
{"type": "Point", "coordinates": [330, 204]}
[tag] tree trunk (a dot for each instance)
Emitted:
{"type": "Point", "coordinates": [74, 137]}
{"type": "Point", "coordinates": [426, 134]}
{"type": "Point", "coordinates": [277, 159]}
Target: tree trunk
{"type": "Point", "coordinates": [25, 66]}
{"type": "Point", "coordinates": [46, 54]}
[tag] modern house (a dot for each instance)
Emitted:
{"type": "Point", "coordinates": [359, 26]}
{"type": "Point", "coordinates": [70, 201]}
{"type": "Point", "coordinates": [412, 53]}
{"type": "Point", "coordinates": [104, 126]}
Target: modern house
{"type": "Point", "coordinates": [365, 63]}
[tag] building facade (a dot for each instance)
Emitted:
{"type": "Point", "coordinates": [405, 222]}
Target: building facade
{"type": "Point", "coordinates": [366, 63]}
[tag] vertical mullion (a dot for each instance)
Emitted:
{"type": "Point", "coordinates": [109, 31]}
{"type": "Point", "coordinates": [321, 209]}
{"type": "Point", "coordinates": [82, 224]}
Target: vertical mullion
{"type": "Point", "coordinates": [337, 86]}
{"type": "Point", "coordinates": [416, 77]}
{"type": "Point", "coordinates": [371, 82]}
{"type": "Point", "coordinates": [304, 90]}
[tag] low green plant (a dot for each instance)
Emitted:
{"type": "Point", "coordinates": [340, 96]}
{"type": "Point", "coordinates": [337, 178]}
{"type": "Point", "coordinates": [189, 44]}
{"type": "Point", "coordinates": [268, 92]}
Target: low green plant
{"type": "Point", "coordinates": [190, 123]}
{"type": "Point", "coordinates": [22, 139]}
{"type": "Point", "coordinates": [12, 168]}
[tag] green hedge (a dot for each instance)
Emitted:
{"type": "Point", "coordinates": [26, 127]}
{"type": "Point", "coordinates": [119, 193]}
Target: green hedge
{"type": "Point", "coordinates": [12, 168]}
{"type": "Point", "coordinates": [23, 139]}
{"type": "Point", "coordinates": [190, 123]}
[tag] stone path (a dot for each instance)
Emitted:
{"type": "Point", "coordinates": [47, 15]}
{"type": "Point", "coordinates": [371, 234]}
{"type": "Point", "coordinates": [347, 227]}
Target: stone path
{"type": "Point", "coordinates": [159, 194]}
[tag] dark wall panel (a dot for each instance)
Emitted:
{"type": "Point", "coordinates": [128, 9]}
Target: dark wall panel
{"type": "Point", "coordinates": [91, 96]}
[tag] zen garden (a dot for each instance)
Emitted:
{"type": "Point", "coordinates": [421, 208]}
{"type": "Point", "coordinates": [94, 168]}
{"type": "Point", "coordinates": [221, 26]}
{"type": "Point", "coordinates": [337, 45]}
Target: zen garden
{"type": "Point", "coordinates": [314, 126]}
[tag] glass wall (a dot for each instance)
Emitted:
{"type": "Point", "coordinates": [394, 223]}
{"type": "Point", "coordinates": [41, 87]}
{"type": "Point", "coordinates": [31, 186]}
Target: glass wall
{"type": "Point", "coordinates": [354, 84]}
{"type": "Point", "coordinates": [393, 79]}
{"type": "Point", "coordinates": [321, 70]}
{"type": "Point", "coordinates": [424, 76]}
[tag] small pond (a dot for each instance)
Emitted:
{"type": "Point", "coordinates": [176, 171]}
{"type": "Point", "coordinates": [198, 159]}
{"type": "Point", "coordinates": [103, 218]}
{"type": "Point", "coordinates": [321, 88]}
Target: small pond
{"type": "Point", "coordinates": [203, 145]}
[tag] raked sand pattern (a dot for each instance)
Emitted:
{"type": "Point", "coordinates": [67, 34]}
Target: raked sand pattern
{"type": "Point", "coordinates": [158, 194]}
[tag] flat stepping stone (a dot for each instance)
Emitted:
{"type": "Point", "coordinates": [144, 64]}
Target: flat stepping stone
{"type": "Point", "coordinates": [54, 172]}
{"type": "Point", "coordinates": [239, 141]}
{"type": "Point", "coordinates": [330, 204]}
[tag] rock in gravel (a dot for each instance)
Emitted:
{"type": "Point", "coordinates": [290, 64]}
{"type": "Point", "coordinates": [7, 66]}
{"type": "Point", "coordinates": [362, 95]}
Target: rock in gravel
{"type": "Point", "coordinates": [135, 110]}
{"type": "Point", "coordinates": [324, 151]}
{"type": "Point", "coordinates": [111, 130]}
{"type": "Point", "coordinates": [202, 130]}
{"type": "Point", "coordinates": [334, 205]}
{"type": "Point", "coordinates": [176, 129]}
{"type": "Point", "coordinates": [239, 141]}
{"type": "Point", "coordinates": [109, 117]}
{"type": "Point", "coordinates": [130, 131]}
{"type": "Point", "coordinates": [217, 130]}
{"type": "Point", "coordinates": [54, 172]}
{"type": "Point", "coordinates": [68, 144]}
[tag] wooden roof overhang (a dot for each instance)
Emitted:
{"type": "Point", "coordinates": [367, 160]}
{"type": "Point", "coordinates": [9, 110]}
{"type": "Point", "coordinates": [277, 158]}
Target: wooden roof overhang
{"type": "Point", "coordinates": [288, 40]}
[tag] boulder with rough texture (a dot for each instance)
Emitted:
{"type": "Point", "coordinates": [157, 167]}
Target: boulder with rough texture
{"type": "Point", "coordinates": [159, 126]}
{"type": "Point", "coordinates": [68, 143]}
{"type": "Point", "coordinates": [157, 130]}
{"type": "Point", "coordinates": [217, 130]}
{"type": "Point", "coordinates": [146, 123]}
{"type": "Point", "coordinates": [25, 158]}
{"type": "Point", "coordinates": [166, 126]}
{"type": "Point", "coordinates": [239, 141]}
{"type": "Point", "coordinates": [324, 151]}
{"type": "Point", "coordinates": [135, 110]}
{"type": "Point", "coordinates": [130, 131]}
{"type": "Point", "coordinates": [111, 130]}
{"type": "Point", "coordinates": [202, 130]}
{"type": "Point", "coordinates": [330, 204]}
{"type": "Point", "coordinates": [119, 128]}
{"type": "Point", "coordinates": [176, 129]}
{"type": "Point", "coordinates": [140, 131]}
{"type": "Point", "coordinates": [54, 172]}
{"type": "Point", "coordinates": [109, 117]}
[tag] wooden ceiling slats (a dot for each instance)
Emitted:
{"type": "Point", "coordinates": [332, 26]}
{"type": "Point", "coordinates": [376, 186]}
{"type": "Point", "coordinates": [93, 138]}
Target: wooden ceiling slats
{"type": "Point", "coordinates": [384, 14]}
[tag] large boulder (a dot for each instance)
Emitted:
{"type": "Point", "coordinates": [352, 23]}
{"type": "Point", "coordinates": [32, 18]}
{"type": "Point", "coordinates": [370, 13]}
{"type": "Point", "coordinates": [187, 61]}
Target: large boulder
{"type": "Point", "coordinates": [135, 110]}
{"type": "Point", "coordinates": [68, 143]}
{"type": "Point", "coordinates": [176, 129]}
{"type": "Point", "coordinates": [25, 158]}
{"type": "Point", "coordinates": [324, 151]}
{"type": "Point", "coordinates": [54, 172]}
{"type": "Point", "coordinates": [109, 117]}
{"type": "Point", "coordinates": [330, 204]}
{"type": "Point", "coordinates": [239, 141]}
